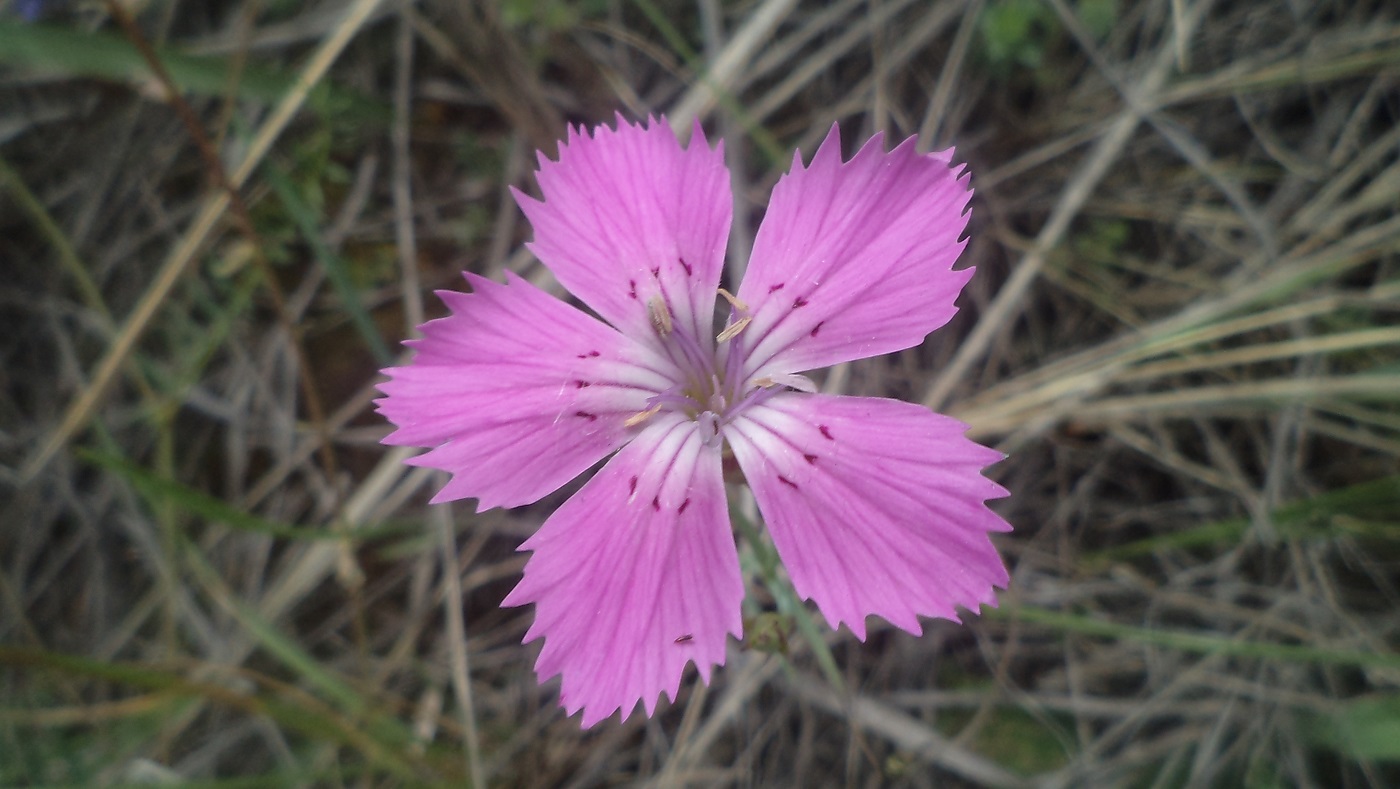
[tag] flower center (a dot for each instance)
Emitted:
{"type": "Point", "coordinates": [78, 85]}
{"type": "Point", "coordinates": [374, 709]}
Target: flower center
{"type": "Point", "coordinates": [711, 391]}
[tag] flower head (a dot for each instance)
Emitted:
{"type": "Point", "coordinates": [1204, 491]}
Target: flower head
{"type": "Point", "coordinates": [876, 507]}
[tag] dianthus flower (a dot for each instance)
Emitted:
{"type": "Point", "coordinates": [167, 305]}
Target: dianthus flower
{"type": "Point", "coordinates": [875, 506]}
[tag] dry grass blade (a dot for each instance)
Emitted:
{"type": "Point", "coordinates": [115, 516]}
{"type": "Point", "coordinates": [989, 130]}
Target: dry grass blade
{"type": "Point", "coordinates": [724, 71]}
{"type": "Point", "coordinates": [457, 646]}
{"type": "Point", "coordinates": [910, 735]}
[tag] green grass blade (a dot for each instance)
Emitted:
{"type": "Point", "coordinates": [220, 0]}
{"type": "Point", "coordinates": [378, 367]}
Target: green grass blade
{"type": "Point", "coordinates": [309, 719]}
{"type": "Point", "coordinates": [336, 270]}
{"type": "Point", "coordinates": [1357, 511]}
{"type": "Point", "coordinates": [390, 734]}
{"type": "Point", "coordinates": [1200, 643]}
{"type": "Point", "coordinates": [157, 489]}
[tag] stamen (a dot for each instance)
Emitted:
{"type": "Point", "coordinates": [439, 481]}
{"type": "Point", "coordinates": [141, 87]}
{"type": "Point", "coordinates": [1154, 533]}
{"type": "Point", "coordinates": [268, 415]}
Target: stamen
{"type": "Point", "coordinates": [642, 416]}
{"type": "Point", "coordinates": [791, 380]}
{"type": "Point", "coordinates": [734, 301]}
{"type": "Point", "coordinates": [732, 330]}
{"type": "Point", "coordinates": [660, 316]}
{"type": "Point", "coordinates": [755, 396]}
{"type": "Point", "coordinates": [734, 356]}
{"type": "Point", "coordinates": [675, 399]}
{"type": "Point", "coordinates": [692, 357]}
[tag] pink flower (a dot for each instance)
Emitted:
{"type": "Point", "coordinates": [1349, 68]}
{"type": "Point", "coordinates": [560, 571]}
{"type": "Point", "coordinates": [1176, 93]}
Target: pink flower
{"type": "Point", "coordinates": [875, 506]}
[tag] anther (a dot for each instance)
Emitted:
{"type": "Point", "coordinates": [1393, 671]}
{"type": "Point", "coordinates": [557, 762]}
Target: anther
{"type": "Point", "coordinates": [732, 330]}
{"type": "Point", "coordinates": [734, 301]}
{"type": "Point", "coordinates": [791, 380]}
{"type": "Point", "coordinates": [642, 416]}
{"type": "Point", "coordinates": [660, 316]}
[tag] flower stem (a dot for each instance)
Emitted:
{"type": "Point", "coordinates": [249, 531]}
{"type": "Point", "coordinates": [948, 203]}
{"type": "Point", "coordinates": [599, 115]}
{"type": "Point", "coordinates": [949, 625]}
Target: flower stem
{"type": "Point", "coordinates": [788, 603]}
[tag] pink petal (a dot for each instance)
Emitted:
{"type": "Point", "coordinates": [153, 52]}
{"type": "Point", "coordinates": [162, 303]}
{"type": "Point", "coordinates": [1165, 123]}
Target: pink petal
{"type": "Point", "coordinates": [876, 506]}
{"type": "Point", "coordinates": [854, 260]}
{"type": "Point", "coordinates": [629, 215]}
{"type": "Point", "coordinates": [518, 391]}
{"type": "Point", "coordinates": [635, 575]}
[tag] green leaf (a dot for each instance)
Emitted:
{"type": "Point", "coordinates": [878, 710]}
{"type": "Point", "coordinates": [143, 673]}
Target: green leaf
{"type": "Point", "coordinates": [1098, 16]}
{"type": "Point", "coordinates": [1009, 32]}
{"type": "Point", "coordinates": [1366, 729]}
{"type": "Point", "coordinates": [52, 48]}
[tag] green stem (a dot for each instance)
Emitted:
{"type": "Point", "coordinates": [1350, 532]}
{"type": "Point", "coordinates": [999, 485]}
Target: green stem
{"type": "Point", "coordinates": [788, 602]}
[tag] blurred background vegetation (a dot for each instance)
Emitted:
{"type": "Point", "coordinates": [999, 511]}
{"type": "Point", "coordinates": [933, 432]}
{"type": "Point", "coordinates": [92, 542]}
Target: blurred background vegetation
{"type": "Point", "coordinates": [217, 220]}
